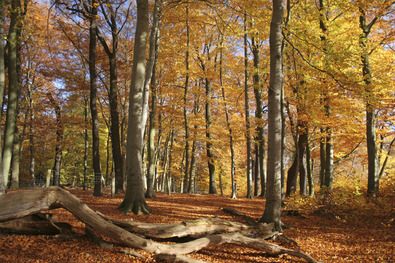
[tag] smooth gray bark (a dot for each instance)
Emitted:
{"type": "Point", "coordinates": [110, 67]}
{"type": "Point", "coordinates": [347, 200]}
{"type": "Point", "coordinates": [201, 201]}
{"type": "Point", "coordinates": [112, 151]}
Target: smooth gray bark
{"type": "Point", "coordinates": [134, 200]}
{"type": "Point", "coordinates": [273, 201]}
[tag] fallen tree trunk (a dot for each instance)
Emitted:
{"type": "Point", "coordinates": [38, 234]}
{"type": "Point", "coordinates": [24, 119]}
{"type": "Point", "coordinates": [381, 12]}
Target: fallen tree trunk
{"type": "Point", "coordinates": [193, 228]}
{"type": "Point", "coordinates": [24, 203]}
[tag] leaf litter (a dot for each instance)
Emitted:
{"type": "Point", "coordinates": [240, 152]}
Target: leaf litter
{"type": "Point", "coordinates": [324, 238]}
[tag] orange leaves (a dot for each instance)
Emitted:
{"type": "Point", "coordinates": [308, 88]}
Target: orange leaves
{"type": "Point", "coordinates": [368, 239]}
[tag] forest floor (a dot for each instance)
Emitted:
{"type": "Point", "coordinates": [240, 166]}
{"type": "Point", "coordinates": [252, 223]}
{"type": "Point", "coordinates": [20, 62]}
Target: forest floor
{"type": "Point", "coordinates": [325, 237]}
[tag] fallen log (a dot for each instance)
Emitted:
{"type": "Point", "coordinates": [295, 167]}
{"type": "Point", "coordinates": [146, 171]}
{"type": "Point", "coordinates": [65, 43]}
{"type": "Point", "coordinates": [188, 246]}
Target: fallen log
{"type": "Point", "coordinates": [35, 224]}
{"type": "Point", "coordinates": [28, 202]}
{"type": "Point", "coordinates": [193, 228]}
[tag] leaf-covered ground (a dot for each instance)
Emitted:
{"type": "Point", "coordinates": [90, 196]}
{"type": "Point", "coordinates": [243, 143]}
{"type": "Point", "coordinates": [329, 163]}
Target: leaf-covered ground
{"type": "Point", "coordinates": [326, 238]}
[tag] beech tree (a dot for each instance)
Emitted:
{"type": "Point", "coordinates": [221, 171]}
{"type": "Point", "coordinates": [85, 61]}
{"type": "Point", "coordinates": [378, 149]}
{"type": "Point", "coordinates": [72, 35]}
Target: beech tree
{"type": "Point", "coordinates": [134, 200]}
{"type": "Point", "coordinates": [273, 200]}
{"type": "Point", "coordinates": [17, 12]}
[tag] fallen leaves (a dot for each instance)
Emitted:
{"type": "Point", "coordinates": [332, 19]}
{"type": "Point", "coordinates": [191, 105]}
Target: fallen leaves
{"type": "Point", "coordinates": [323, 238]}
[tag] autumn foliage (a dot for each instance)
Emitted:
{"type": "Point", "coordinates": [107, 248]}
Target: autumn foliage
{"type": "Point", "coordinates": [208, 116]}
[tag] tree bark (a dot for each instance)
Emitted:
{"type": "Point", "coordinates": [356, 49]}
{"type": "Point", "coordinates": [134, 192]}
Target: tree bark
{"type": "Point", "coordinates": [151, 174]}
{"type": "Point", "coordinates": [113, 94]}
{"type": "Point", "coordinates": [327, 165]}
{"type": "Point", "coordinates": [59, 141]}
{"type": "Point", "coordinates": [209, 144]}
{"type": "Point", "coordinates": [273, 202]}
{"type": "Point", "coordinates": [186, 123]}
{"type": "Point", "coordinates": [97, 190]}
{"type": "Point", "coordinates": [17, 14]}
{"type": "Point", "coordinates": [370, 101]}
{"type": "Point", "coordinates": [260, 187]}
{"type": "Point", "coordinates": [232, 151]}
{"type": "Point", "coordinates": [250, 193]}
{"type": "Point", "coordinates": [2, 88]}
{"type": "Point", "coordinates": [134, 200]}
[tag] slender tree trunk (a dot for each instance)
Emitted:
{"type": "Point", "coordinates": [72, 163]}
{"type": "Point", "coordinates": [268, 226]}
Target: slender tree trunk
{"type": "Point", "coordinates": [373, 164]}
{"type": "Point", "coordinates": [186, 124]}
{"type": "Point", "coordinates": [209, 144]}
{"type": "Point", "coordinates": [86, 144]}
{"type": "Point", "coordinates": [260, 144]}
{"type": "Point", "coordinates": [150, 84]}
{"type": "Point", "coordinates": [192, 168]}
{"type": "Point", "coordinates": [310, 177]}
{"type": "Point", "coordinates": [250, 193]}
{"type": "Point", "coordinates": [115, 136]}
{"type": "Point", "coordinates": [2, 88]}
{"type": "Point", "coordinates": [328, 173]}
{"type": "Point", "coordinates": [322, 157]}
{"type": "Point", "coordinates": [97, 190]}
{"type": "Point", "coordinates": [151, 141]}
{"type": "Point", "coordinates": [303, 137]}
{"type": "Point", "coordinates": [273, 201]}
{"type": "Point", "coordinates": [232, 151]}
{"type": "Point", "coordinates": [329, 156]}
{"type": "Point", "coordinates": [59, 141]}
{"type": "Point", "coordinates": [134, 198]}
{"type": "Point", "coordinates": [32, 135]}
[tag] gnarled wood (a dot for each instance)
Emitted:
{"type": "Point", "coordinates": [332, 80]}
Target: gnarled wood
{"type": "Point", "coordinates": [23, 203]}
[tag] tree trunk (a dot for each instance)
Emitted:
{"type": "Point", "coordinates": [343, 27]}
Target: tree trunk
{"type": "Point", "coordinates": [134, 200]}
{"type": "Point", "coordinates": [329, 156]}
{"type": "Point", "coordinates": [59, 141]}
{"type": "Point", "coordinates": [15, 31]}
{"type": "Point", "coordinates": [260, 144]}
{"type": "Point", "coordinates": [322, 157]}
{"type": "Point", "coordinates": [15, 161]}
{"type": "Point", "coordinates": [192, 169]}
{"type": "Point", "coordinates": [32, 136]}
{"type": "Point", "coordinates": [97, 190]}
{"type": "Point", "coordinates": [328, 171]}
{"type": "Point", "coordinates": [309, 166]}
{"type": "Point", "coordinates": [209, 144]}
{"type": "Point", "coordinates": [86, 144]}
{"type": "Point", "coordinates": [113, 98]}
{"type": "Point", "coordinates": [273, 201]}
{"type": "Point", "coordinates": [151, 175]}
{"type": "Point", "coordinates": [232, 151]}
{"type": "Point", "coordinates": [373, 164]}
{"type": "Point", "coordinates": [2, 88]}
{"type": "Point", "coordinates": [250, 193]}
{"type": "Point", "coordinates": [149, 83]}
{"type": "Point", "coordinates": [186, 124]}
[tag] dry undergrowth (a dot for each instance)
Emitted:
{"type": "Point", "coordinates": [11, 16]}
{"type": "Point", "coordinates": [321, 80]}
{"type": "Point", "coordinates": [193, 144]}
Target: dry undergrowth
{"type": "Point", "coordinates": [324, 238]}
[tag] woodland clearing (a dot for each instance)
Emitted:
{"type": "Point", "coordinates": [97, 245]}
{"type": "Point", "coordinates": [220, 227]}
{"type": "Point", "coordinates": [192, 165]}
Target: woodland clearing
{"type": "Point", "coordinates": [325, 237]}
